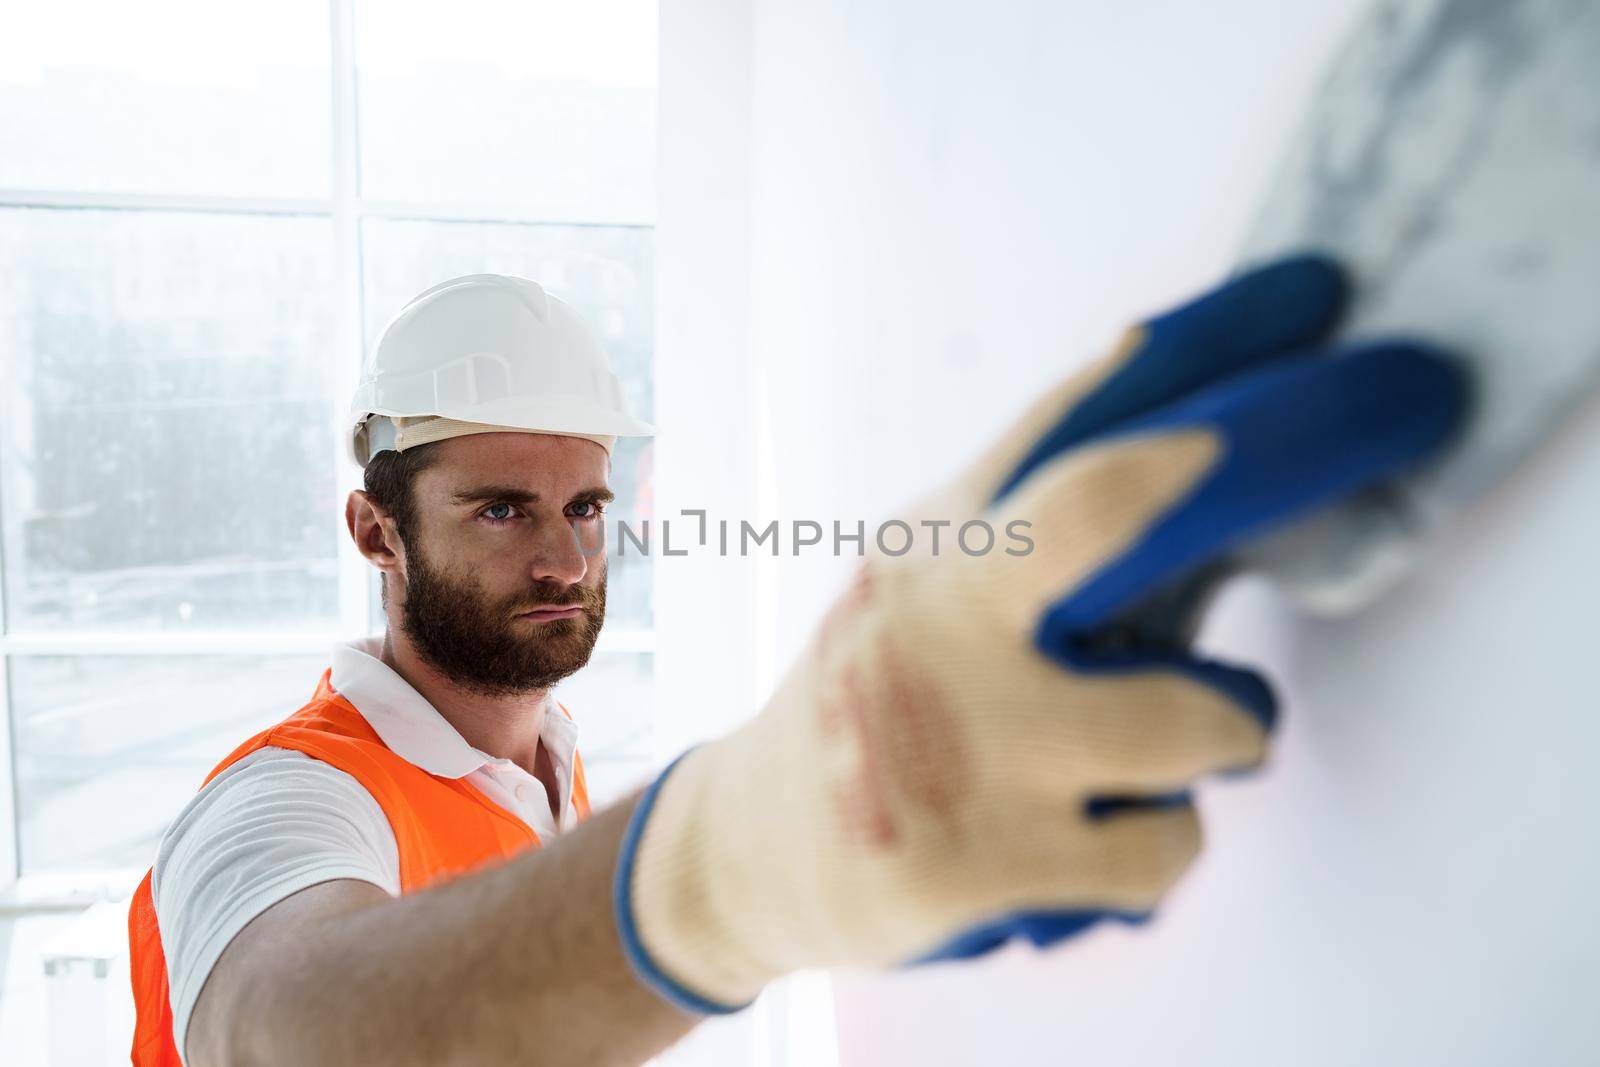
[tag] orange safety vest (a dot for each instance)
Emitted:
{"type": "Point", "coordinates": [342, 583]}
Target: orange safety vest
{"type": "Point", "coordinates": [443, 827]}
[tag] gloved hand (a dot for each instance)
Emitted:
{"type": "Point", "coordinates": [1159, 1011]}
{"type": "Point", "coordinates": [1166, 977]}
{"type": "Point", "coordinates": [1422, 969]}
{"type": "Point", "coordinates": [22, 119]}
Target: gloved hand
{"type": "Point", "coordinates": [961, 755]}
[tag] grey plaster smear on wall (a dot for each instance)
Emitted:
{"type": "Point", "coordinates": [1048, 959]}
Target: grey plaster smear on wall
{"type": "Point", "coordinates": [1452, 160]}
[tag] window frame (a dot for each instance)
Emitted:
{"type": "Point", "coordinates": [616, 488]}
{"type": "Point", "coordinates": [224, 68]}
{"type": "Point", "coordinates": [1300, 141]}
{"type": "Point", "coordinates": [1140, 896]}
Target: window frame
{"type": "Point", "coordinates": [347, 209]}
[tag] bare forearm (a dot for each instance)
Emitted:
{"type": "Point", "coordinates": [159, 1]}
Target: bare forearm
{"type": "Point", "coordinates": [519, 963]}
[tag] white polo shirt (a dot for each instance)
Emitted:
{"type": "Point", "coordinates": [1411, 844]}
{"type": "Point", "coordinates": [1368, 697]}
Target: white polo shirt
{"type": "Point", "coordinates": [278, 821]}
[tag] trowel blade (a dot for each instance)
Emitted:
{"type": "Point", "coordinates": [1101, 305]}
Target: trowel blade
{"type": "Point", "coordinates": [1451, 160]}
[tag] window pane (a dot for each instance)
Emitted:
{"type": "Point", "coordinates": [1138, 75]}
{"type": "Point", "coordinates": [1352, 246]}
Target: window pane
{"type": "Point", "coordinates": [606, 273]}
{"type": "Point", "coordinates": [545, 105]}
{"type": "Point", "coordinates": [167, 453]}
{"type": "Point", "coordinates": [110, 748]}
{"type": "Point", "coordinates": [166, 96]}
{"type": "Point", "coordinates": [613, 702]}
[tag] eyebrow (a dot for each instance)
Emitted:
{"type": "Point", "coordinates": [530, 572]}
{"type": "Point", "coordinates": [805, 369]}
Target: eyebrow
{"type": "Point", "coordinates": [512, 494]}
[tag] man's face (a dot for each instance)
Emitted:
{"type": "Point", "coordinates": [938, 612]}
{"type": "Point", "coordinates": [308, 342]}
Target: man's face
{"type": "Point", "coordinates": [505, 588]}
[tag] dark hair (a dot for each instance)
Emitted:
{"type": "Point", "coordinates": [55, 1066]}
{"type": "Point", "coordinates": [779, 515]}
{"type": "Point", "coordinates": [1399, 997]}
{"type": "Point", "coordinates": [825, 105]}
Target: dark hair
{"type": "Point", "coordinates": [389, 479]}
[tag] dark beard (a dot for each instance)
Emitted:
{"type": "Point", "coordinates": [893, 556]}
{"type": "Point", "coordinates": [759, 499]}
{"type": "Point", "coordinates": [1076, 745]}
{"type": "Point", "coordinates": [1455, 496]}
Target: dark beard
{"type": "Point", "coordinates": [475, 641]}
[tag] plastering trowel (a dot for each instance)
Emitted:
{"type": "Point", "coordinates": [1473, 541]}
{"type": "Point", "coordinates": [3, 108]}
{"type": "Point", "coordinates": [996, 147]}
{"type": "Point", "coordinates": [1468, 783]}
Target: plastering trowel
{"type": "Point", "coordinates": [1451, 160]}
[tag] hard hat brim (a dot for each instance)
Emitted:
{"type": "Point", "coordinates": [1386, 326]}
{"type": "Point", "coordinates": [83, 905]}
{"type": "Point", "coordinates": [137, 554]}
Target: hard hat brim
{"type": "Point", "coordinates": [562, 417]}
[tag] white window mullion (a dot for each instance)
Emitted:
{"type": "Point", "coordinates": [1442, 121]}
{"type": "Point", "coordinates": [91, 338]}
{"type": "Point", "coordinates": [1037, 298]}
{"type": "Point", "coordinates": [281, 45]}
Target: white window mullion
{"type": "Point", "coordinates": [220, 205]}
{"type": "Point", "coordinates": [354, 571]}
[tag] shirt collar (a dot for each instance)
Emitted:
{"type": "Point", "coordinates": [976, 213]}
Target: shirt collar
{"type": "Point", "coordinates": [413, 729]}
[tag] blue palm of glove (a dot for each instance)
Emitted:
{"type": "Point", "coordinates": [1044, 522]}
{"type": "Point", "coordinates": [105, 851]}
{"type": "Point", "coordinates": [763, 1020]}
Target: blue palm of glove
{"type": "Point", "coordinates": [1301, 427]}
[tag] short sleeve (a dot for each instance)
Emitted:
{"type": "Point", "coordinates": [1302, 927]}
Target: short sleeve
{"type": "Point", "coordinates": [270, 825]}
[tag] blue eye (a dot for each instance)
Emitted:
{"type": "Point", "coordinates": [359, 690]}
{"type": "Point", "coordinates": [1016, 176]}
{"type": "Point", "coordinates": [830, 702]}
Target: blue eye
{"type": "Point", "coordinates": [488, 513]}
{"type": "Point", "coordinates": [593, 510]}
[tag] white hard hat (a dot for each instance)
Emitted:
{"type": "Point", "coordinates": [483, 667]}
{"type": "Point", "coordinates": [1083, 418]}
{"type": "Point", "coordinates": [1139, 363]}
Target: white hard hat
{"type": "Point", "coordinates": [482, 353]}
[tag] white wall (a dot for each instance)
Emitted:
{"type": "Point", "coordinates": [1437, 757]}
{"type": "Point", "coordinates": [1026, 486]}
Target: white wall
{"type": "Point", "coordinates": [944, 206]}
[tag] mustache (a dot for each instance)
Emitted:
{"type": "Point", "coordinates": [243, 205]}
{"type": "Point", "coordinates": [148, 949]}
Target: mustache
{"type": "Point", "coordinates": [576, 597]}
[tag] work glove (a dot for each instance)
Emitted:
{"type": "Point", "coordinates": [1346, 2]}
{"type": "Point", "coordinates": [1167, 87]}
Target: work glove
{"type": "Point", "coordinates": [977, 746]}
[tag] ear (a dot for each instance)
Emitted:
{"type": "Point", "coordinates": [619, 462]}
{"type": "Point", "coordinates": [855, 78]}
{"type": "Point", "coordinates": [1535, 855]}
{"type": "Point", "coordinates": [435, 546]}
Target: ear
{"type": "Point", "coordinates": [374, 533]}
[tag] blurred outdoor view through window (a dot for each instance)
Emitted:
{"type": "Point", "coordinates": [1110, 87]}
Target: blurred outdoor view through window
{"type": "Point", "coordinates": [193, 250]}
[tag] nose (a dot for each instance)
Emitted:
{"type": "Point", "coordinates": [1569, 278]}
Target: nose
{"type": "Point", "coordinates": [559, 557]}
